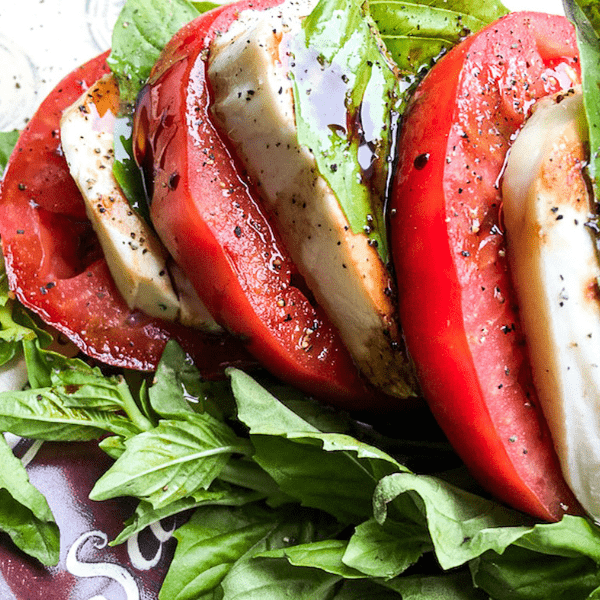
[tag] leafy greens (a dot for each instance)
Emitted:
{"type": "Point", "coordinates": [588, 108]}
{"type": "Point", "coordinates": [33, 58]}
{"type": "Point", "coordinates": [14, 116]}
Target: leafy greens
{"type": "Point", "coordinates": [297, 504]}
{"type": "Point", "coordinates": [585, 14]}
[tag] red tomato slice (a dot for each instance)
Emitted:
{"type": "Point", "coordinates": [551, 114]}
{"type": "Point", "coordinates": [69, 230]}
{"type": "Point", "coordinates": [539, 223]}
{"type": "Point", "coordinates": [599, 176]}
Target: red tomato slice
{"type": "Point", "coordinates": [54, 262]}
{"type": "Point", "coordinates": [457, 304]}
{"type": "Point", "coordinates": [209, 218]}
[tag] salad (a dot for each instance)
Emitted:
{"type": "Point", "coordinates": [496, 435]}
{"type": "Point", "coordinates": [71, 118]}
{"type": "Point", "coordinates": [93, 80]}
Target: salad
{"type": "Point", "coordinates": [282, 495]}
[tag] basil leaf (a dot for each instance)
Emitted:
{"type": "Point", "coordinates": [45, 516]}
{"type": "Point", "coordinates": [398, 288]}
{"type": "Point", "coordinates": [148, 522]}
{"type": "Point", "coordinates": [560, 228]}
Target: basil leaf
{"type": "Point", "coordinates": [462, 525]}
{"type": "Point", "coordinates": [338, 64]}
{"type": "Point", "coordinates": [176, 383]}
{"type": "Point", "coordinates": [16, 326]}
{"type": "Point", "coordinates": [326, 555]}
{"type": "Point", "coordinates": [12, 334]}
{"type": "Point", "coordinates": [113, 445]}
{"type": "Point", "coordinates": [24, 512]}
{"type": "Point", "coordinates": [216, 544]}
{"type": "Point", "coordinates": [203, 7]}
{"type": "Point", "coordinates": [454, 585]}
{"type": "Point", "coordinates": [40, 414]}
{"type": "Point", "coordinates": [519, 574]}
{"type": "Point", "coordinates": [416, 33]}
{"type": "Point", "coordinates": [586, 16]}
{"type": "Point", "coordinates": [304, 461]}
{"type": "Point", "coordinates": [388, 551]}
{"type": "Point", "coordinates": [218, 495]}
{"type": "Point", "coordinates": [277, 579]}
{"type": "Point", "coordinates": [171, 461]}
{"type": "Point", "coordinates": [125, 169]}
{"type": "Point", "coordinates": [8, 140]}
{"type": "Point", "coordinates": [142, 30]}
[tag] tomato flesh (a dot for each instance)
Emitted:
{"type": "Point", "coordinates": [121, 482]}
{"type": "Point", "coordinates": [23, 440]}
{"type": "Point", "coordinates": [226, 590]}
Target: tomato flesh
{"type": "Point", "coordinates": [211, 220]}
{"type": "Point", "coordinates": [457, 303]}
{"type": "Point", "coordinates": [55, 264]}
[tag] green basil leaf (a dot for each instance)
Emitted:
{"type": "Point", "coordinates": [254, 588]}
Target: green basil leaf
{"type": "Point", "coordinates": [15, 326]}
{"type": "Point", "coordinates": [209, 545]}
{"type": "Point", "coordinates": [326, 555]}
{"type": "Point", "coordinates": [519, 574]}
{"type": "Point", "coordinates": [113, 445]}
{"type": "Point", "coordinates": [176, 383]}
{"type": "Point", "coordinates": [171, 461]}
{"type": "Point", "coordinates": [462, 526]}
{"type": "Point", "coordinates": [586, 16]}
{"type": "Point", "coordinates": [338, 63]}
{"type": "Point", "coordinates": [24, 512]}
{"type": "Point", "coordinates": [203, 7]}
{"type": "Point", "coordinates": [416, 33]}
{"type": "Point", "coordinates": [142, 30]}
{"type": "Point", "coordinates": [304, 461]}
{"type": "Point", "coordinates": [386, 552]}
{"type": "Point", "coordinates": [12, 334]}
{"type": "Point", "coordinates": [125, 169]}
{"type": "Point", "coordinates": [557, 560]}
{"type": "Point", "coordinates": [453, 585]}
{"type": "Point", "coordinates": [8, 140]}
{"type": "Point", "coordinates": [216, 541]}
{"type": "Point", "coordinates": [40, 414]}
{"type": "Point", "coordinates": [219, 494]}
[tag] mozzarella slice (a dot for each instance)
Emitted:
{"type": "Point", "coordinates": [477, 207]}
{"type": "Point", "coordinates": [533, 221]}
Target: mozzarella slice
{"type": "Point", "coordinates": [554, 264]}
{"type": "Point", "coordinates": [136, 258]}
{"type": "Point", "coordinates": [253, 103]}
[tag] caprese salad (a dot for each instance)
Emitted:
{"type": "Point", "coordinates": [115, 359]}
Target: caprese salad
{"type": "Point", "coordinates": [373, 203]}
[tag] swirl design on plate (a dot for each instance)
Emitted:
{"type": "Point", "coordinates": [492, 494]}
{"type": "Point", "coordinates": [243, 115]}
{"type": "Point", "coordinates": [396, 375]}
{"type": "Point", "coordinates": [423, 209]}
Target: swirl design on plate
{"type": "Point", "coordinates": [101, 16]}
{"type": "Point", "coordinates": [96, 569]}
{"type": "Point", "coordinates": [18, 84]}
{"type": "Point", "coordinates": [138, 560]}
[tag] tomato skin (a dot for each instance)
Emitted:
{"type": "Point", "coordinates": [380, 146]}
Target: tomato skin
{"type": "Point", "coordinates": [55, 265]}
{"type": "Point", "coordinates": [457, 304]}
{"type": "Point", "coordinates": [213, 225]}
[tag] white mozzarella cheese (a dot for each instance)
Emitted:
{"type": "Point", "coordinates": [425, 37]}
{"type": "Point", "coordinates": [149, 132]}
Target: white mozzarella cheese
{"type": "Point", "coordinates": [554, 264]}
{"type": "Point", "coordinates": [136, 258]}
{"type": "Point", "coordinates": [254, 105]}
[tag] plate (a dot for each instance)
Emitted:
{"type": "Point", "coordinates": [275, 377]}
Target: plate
{"type": "Point", "coordinates": [40, 42]}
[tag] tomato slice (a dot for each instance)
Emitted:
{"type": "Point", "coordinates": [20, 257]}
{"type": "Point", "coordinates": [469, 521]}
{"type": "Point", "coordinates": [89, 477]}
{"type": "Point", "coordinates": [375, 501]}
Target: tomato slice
{"type": "Point", "coordinates": [54, 262]}
{"type": "Point", "coordinates": [457, 303]}
{"type": "Point", "coordinates": [211, 220]}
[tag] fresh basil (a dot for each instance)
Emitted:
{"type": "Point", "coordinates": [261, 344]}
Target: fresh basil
{"type": "Point", "coordinates": [125, 169]}
{"type": "Point", "coordinates": [142, 30]}
{"type": "Point", "coordinates": [216, 546]}
{"type": "Point", "coordinates": [40, 414]}
{"type": "Point", "coordinates": [219, 494]}
{"type": "Point", "coordinates": [16, 327]}
{"type": "Point", "coordinates": [304, 461]}
{"type": "Point", "coordinates": [24, 513]}
{"type": "Point", "coordinates": [551, 561]}
{"type": "Point", "coordinates": [417, 33]}
{"type": "Point", "coordinates": [8, 140]}
{"type": "Point", "coordinates": [291, 502]}
{"type": "Point", "coordinates": [171, 461]}
{"type": "Point", "coordinates": [339, 68]}
{"type": "Point", "coordinates": [586, 16]}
